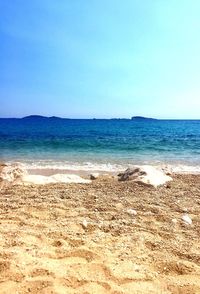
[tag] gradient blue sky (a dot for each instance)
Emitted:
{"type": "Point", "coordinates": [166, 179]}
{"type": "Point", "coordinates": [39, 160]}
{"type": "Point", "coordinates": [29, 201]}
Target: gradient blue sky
{"type": "Point", "coordinates": [108, 58]}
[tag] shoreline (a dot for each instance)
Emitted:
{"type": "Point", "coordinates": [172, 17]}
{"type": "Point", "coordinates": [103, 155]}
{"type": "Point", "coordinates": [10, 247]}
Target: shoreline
{"type": "Point", "coordinates": [48, 168]}
{"type": "Point", "coordinates": [16, 173]}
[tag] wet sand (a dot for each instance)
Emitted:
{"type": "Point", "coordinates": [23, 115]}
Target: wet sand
{"type": "Point", "coordinates": [82, 238]}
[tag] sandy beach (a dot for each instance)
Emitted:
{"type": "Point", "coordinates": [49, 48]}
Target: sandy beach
{"type": "Point", "coordinates": [104, 237]}
{"type": "Point", "coordinates": [99, 147]}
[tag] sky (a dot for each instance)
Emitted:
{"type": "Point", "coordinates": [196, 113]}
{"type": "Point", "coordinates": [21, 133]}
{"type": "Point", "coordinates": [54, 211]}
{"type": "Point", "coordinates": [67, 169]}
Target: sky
{"type": "Point", "coordinates": [103, 59]}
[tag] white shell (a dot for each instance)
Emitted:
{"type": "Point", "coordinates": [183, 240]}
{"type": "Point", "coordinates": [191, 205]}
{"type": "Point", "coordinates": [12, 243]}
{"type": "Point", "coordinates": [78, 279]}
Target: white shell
{"type": "Point", "coordinates": [187, 219]}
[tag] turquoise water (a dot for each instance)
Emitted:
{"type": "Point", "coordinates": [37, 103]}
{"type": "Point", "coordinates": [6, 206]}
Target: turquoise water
{"type": "Point", "coordinates": [64, 143]}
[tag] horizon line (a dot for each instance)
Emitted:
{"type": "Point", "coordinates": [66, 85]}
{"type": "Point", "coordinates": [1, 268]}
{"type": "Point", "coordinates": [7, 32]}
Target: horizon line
{"type": "Point", "coordinates": [97, 118]}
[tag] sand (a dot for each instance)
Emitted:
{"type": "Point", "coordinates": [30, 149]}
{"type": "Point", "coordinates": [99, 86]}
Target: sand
{"type": "Point", "coordinates": [83, 238]}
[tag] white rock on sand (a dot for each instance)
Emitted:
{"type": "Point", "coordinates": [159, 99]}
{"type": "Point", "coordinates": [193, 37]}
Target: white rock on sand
{"type": "Point", "coordinates": [132, 211]}
{"type": "Point", "coordinates": [94, 176]}
{"type": "Point", "coordinates": [12, 173]}
{"type": "Point", "coordinates": [145, 174]}
{"type": "Point", "coordinates": [154, 176]}
{"type": "Point", "coordinates": [15, 174]}
{"type": "Point", "coordinates": [58, 178]}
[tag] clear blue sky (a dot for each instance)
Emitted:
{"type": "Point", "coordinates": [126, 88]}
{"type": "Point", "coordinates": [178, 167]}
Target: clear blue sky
{"type": "Point", "coordinates": [107, 58]}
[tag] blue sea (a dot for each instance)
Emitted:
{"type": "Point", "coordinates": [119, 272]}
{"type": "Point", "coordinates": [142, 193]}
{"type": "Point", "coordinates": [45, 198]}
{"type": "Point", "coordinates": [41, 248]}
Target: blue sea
{"type": "Point", "coordinates": [100, 144]}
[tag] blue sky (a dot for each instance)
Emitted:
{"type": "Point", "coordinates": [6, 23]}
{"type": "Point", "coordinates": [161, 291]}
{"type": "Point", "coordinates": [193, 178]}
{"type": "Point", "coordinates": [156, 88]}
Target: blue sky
{"type": "Point", "coordinates": [108, 58]}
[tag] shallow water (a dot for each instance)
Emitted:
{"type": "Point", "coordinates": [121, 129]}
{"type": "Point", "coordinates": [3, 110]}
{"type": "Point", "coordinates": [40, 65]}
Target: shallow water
{"type": "Point", "coordinates": [100, 144]}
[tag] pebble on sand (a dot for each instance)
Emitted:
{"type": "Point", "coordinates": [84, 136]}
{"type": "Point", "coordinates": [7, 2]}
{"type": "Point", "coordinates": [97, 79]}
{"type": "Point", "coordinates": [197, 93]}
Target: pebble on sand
{"type": "Point", "coordinates": [187, 220]}
{"type": "Point", "coordinates": [131, 211]}
{"type": "Point", "coordinates": [174, 220]}
{"type": "Point", "coordinates": [84, 224]}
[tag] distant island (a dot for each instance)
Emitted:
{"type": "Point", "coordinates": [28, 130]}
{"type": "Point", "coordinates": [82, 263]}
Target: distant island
{"type": "Point", "coordinates": [40, 117]}
{"type": "Point", "coordinates": [56, 118]}
{"type": "Point", "coordinates": [141, 118]}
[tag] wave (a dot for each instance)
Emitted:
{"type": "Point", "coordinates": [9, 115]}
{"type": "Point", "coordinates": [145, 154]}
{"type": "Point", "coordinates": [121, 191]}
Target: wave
{"type": "Point", "coordinates": [75, 166]}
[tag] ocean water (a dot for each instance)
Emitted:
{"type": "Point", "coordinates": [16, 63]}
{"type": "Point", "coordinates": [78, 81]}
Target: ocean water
{"type": "Point", "coordinates": [100, 144]}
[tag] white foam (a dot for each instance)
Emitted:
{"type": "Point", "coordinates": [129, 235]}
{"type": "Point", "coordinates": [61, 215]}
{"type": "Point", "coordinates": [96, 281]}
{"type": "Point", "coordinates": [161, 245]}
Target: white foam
{"type": "Point", "coordinates": [104, 167]}
{"type": "Point", "coordinates": [72, 166]}
{"type": "Point", "coordinates": [188, 169]}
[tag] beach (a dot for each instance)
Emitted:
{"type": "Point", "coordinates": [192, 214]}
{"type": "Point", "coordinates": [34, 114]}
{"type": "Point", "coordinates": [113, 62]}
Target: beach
{"type": "Point", "coordinates": [103, 237]}
{"type": "Point", "coordinates": [63, 231]}
{"type": "Point", "coordinates": [99, 147]}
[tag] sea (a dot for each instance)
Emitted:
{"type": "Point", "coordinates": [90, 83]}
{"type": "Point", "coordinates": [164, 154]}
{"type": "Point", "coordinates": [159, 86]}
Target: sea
{"type": "Point", "coordinates": [100, 144]}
